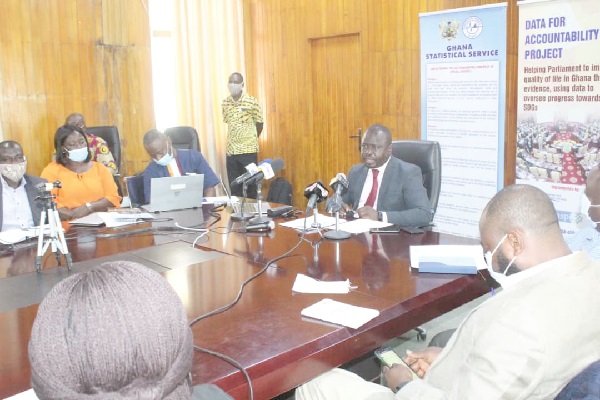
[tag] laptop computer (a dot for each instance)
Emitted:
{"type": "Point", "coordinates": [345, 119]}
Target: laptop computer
{"type": "Point", "coordinates": [249, 208]}
{"type": "Point", "coordinates": [175, 193]}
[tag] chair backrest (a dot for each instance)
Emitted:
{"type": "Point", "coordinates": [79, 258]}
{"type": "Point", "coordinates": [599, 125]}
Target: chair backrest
{"type": "Point", "coordinates": [111, 135]}
{"type": "Point", "coordinates": [184, 137]}
{"type": "Point", "coordinates": [135, 190]}
{"type": "Point", "coordinates": [427, 156]}
{"type": "Point", "coordinates": [280, 191]}
{"type": "Point", "coordinates": [585, 385]}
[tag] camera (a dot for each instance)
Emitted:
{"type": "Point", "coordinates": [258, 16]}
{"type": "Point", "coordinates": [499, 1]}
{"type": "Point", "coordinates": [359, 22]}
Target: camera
{"type": "Point", "coordinates": [48, 186]}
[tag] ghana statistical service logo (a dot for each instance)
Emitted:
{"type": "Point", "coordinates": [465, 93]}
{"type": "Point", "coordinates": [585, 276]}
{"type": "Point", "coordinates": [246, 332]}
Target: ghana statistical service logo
{"type": "Point", "coordinates": [472, 27]}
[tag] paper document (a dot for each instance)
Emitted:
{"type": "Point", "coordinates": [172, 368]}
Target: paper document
{"type": "Point", "coordinates": [217, 199]}
{"type": "Point", "coordinates": [323, 220]}
{"type": "Point", "coordinates": [361, 225]}
{"type": "Point", "coordinates": [306, 284]}
{"type": "Point", "coordinates": [27, 395]}
{"type": "Point", "coordinates": [112, 219]}
{"type": "Point", "coordinates": [18, 235]}
{"type": "Point", "coordinates": [340, 313]}
{"type": "Point", "coordinates": [457, 259]}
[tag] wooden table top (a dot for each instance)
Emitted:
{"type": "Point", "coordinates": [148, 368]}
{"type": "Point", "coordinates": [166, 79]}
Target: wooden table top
{"type": "Point", "coordinates": [264, 331]}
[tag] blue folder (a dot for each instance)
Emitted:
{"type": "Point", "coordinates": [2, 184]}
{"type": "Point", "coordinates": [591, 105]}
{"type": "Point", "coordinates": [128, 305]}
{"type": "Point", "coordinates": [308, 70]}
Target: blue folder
{"type": "Point", "coordinates": [448, 265]}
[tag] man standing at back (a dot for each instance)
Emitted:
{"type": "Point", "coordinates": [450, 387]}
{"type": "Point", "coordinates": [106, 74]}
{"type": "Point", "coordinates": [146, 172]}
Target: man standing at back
{"type": "Point", "coordinates": [242, 114]}
{"type": "Point", "coordinates": [18, 190]}
{"type": "Point", "coordinates": [384, 187]}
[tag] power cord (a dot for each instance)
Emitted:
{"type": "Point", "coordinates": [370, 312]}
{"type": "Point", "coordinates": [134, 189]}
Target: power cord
{"type": "Point", "coordinates": [234, 302]}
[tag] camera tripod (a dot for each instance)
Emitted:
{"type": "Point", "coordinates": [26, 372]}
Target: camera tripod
{"type": "Point", "coordinates": [56, 237]}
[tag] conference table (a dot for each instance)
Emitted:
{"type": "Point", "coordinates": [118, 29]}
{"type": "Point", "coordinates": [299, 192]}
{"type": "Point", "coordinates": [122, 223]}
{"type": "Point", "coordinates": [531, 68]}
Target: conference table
{"type": "Point", "coordinates": [264, 331]}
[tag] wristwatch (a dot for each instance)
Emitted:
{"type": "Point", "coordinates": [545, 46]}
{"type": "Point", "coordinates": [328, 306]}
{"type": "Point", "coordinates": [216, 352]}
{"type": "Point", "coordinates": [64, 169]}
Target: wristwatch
{"type": "Point", "coordinates": [89, 207]}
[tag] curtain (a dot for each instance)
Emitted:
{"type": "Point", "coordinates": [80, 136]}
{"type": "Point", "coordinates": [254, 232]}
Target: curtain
{"type": "Point", "coordinates": [209, 46]}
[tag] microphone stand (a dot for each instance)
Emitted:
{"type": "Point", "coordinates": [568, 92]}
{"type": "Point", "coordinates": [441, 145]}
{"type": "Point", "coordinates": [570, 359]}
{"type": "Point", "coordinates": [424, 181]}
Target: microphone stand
{"type": "Point", "coordinates": [260, 218]}
{"type": "Point", "coordinates": [241, 215]}
{"type": "Point", "coordinates": [315, 223]}
{"type": "Point", "coordinates": [336, 234]}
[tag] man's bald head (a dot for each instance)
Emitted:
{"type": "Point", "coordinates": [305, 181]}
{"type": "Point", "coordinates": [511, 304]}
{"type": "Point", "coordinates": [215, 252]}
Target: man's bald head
{"type": "Point", "coordinates": [76, 120]}
{"type": "Point", "coordinates": [522, 207]}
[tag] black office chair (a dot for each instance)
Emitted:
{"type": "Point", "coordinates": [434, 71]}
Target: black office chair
{"type": "Point", "coordinates": [111, 135]}
{"type": "Point", "coordinates": [135, 190]}
{"type": "Point", "coordinates": [184, 137]}
{"type": "Point", "coordinates": [584, 386]}
{"type": "Point", "coordinates": [427, 156]}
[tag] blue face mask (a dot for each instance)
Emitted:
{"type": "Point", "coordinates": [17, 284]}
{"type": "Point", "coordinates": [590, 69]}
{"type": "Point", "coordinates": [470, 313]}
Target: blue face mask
{"type": "Point", "coordinates": [78, 155]}
{"type": "Point", "coordinates": [166, 159]}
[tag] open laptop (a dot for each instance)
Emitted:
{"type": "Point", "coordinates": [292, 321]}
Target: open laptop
{"type": "Point", "coordinates": [176, 193]}
{"type": "Point", "coordinates": [249, 208]}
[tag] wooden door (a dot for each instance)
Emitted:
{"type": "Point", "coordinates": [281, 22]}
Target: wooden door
{"type": "Point", "coordinates": [336, 114]}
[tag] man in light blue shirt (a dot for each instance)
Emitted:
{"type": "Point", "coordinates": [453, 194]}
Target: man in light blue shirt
{"type": "Point", "coordinates": [18, 190]}
{"type": "Point", "coordinates": [588, 239]}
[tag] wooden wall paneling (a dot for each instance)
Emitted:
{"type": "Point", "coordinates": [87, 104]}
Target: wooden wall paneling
{"type": "Point", "coordinates": [278, 50]}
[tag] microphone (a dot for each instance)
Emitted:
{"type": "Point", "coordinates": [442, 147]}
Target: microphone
{"type": "Point", "coordinates": [340, 185]}
{"type": "Point", "coordinates": [266, 170]}
{"type": "Point", "coordinates": [262, 226]}
{"type": "Point", "coordinates": [251, 170]}
{"type": "Point", "coordinates": [315, 193]}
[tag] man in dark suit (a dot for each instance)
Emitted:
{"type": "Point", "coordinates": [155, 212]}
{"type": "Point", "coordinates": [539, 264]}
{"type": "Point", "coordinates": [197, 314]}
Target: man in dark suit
{"type": "Point", "coordinates": [384, 187]}
{"type": "Point", "coordinates": [17, 189]}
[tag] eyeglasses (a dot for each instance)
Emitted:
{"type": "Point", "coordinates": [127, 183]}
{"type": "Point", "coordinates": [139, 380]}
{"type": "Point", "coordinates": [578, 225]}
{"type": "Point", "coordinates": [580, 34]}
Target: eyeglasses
{"type": "Point", "coordinates": [13, 160]}
{"type": "Point", "coordinates": [366, 147]}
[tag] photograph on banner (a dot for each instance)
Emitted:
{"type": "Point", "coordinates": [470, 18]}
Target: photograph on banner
{"type": "Point", "coordinates": [558, 117]}
{"type": "Point", "coordinates": [463, 55]}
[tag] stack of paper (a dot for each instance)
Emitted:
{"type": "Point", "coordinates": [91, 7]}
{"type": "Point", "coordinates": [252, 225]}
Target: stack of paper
{"type": "Point", "coordinates": [340, 313]}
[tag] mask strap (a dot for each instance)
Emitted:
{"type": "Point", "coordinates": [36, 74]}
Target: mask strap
{"type": "Point", "coordinates": [499, 243]}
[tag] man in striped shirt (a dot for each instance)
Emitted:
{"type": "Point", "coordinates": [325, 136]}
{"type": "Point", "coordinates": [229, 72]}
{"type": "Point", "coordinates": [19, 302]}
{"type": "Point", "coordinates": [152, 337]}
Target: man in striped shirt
{"type": "Point", "coordinates": [242, 114]}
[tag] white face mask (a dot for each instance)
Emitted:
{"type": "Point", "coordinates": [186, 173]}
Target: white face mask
{"type": "Point", "coordinates": [13, 172]}
{"type": "Point", "coordinates": [586, 220]}
{"type": "Point", "coordinates": [235, 88]}
{"type": "Point", "coordinates": [78, 155]}
{"type": "Point", "coordinates": [499, 277]}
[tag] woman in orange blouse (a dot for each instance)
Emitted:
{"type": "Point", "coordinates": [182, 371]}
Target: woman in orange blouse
{"type": "Point", "coordinates": [87, 186]}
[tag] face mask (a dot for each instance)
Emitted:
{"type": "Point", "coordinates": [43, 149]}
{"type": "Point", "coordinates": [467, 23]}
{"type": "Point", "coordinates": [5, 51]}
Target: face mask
{"type": "Point", "coordinates": [166, 159]}
{"type": "Point", "coordinates": [586, 221]}
{"type": "Point", "coordinates": [235, 88]}
{"type": "Point", "coordinates": [499, 277]}
{"type": "Point", "coordinates": [13, 172]}
{"type": "Point", "coordinates": [79, 155]}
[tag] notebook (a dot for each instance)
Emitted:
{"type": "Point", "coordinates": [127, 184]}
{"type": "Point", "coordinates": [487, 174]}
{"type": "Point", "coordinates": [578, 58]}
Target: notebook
{"type": "Point", "coordinates": [175, 193]}
{"type": "Point", "coordinates": [249, 208]}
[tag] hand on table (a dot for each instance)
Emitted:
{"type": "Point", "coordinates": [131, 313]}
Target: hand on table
{"type": "Point", "coordinates": [368, 213]}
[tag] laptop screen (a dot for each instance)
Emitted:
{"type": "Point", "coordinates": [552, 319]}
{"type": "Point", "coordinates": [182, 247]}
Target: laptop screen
{"type": "Point", "coordinates": [176, 193]}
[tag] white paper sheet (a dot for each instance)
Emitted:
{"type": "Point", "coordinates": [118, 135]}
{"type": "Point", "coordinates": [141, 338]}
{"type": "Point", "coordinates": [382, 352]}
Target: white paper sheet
{"type": "Point", "coordinates": [340, 313]}
{"type": "Point", "coordinates": [324, 220]}
{"type": "Point", "coordinates": [306, 284]}
{"type": "Point", "coordinates": [360, 225]}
